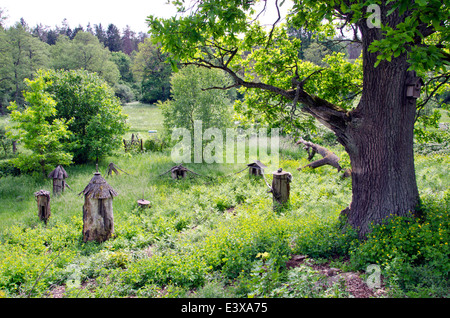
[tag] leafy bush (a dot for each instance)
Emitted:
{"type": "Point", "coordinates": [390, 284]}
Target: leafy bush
{"type": "Point", "coordinates": [8, 169]}
{"type": "Point", "coordinates": [191, 102]}
{"type": "Point", "coordinates": [98, 122]}
{"type": "Point", "coordinates": [412, 252]}
{"type": "Point", "coordinates": [32, 259]}
{"type": "Point", "coordinates": [40, 134]}
{"type": "Point", "coordinates": [318, 237]}
{"type": "Point", "coordinates": [5, 143]}
{"type": "Point", "coordinates": [168, 268]}
{"type": "Point", "coordinates": [124, 93]}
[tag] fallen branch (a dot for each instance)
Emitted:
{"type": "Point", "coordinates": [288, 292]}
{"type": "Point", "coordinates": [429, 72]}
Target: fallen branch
{"type": "Point", "coordinates": [329, 157]}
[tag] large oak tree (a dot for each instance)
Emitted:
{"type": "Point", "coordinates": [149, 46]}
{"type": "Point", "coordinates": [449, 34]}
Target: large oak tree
{"type": "Point", "coordinates": [397, 38]}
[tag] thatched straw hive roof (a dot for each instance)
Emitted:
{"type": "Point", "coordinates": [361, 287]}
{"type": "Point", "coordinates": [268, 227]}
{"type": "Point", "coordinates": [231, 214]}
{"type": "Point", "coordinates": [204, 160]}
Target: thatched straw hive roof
{"type": "Point", "coordinates": [58, 173]}
{"type": "Point", "coordinates": [257, 164]}
{"type": "Point", "coordinates": [42, 193]}
{"type": "Point", "coordinates": [98, 188]}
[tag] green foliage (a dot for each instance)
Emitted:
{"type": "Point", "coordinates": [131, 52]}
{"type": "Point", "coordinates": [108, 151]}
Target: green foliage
{"type": "Point", "coordinates": [260, 55]}
{"type": "Point", "coordinates": [156, 144]}
{"type": "Point", "coordinates": [190, 101]}
{"type": "Point", "coordinates": [412, 252]}
{"type": "Point", "coordinates": [218, 236]}
{"type": "Point", "coordinates": [7, 168]}
{"type": "Point", "coordinates": [234, 248]}
{"type": "Point", "coordinates": [5, 143]}
{"type": "Point", "coordinates": [123, 63]}
{"type": "Point", "coordinates": [87, 53]}
{"type": "Point", "coordinates": [32, 258]}
{"type": "Point", "coordinates": [97, 123]}
{"type": "Point", "coordinates": [149, 69]}
{"type": "Point", "coordinates": [404, 35]}
{"type": "Point", "coordinates": [124, 93]}
{"type": "Point", "coordinates": [21, 55]}
{"type": "Point", "coordinates": [318, 237]}
{"type": "Point", "coordinates": [38, 133]}
{"type": "Point", "coordinates": [207, 36]}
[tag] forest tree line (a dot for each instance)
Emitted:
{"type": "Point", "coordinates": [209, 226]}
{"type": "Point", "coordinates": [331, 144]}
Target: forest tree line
{"type": "Point", "coordinates": [130, 63]}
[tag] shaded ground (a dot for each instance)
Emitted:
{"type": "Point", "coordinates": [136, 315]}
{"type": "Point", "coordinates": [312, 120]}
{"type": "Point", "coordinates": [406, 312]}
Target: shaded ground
{"type": "Point", "coordinates": [354, 284]}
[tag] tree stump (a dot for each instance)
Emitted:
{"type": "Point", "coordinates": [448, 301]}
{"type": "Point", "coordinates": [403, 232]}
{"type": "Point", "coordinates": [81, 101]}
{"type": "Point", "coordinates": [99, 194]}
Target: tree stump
{"type": "Point", "coordinates": [281, 187]}
{"type": "Point", "coordinates": [43, 203]}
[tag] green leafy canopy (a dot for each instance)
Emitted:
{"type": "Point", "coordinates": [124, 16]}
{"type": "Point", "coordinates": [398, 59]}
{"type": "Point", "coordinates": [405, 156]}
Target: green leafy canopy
{"type": "Point", "coordinates": [40, 135]}
{"type": "Point", "coordinates": [227, 35]}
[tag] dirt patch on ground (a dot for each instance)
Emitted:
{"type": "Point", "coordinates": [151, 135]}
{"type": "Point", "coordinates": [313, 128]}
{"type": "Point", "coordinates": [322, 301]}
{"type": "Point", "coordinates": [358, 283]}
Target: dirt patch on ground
{"type": "Point", "coordinates": [354, 284]}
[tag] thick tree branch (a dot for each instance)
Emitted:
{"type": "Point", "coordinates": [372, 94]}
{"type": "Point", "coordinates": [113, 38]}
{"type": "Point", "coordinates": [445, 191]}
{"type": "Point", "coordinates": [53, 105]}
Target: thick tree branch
{"type": "Point", "coordinates": [329, 157]}
{"type": "Point", "coordinates": [332, 116]}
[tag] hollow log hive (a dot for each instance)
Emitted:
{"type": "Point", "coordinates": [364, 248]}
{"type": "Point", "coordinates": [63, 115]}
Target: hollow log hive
{"type": "Point", "coordinates": [43, 203]}
{"type": "Point", "coordinates": [58, 175]}
{"type": "Point", "coordinates": [98, 218]}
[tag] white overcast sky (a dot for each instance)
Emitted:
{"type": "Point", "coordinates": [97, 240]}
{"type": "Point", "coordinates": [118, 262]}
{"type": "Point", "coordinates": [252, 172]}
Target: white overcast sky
{"type": "Point", "coordinates": [81, 12]}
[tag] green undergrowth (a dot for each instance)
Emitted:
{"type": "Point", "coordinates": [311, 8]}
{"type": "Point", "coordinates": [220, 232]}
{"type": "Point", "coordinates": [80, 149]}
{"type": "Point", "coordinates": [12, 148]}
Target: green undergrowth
{"type": "Point", "coordinates": [216, 234]}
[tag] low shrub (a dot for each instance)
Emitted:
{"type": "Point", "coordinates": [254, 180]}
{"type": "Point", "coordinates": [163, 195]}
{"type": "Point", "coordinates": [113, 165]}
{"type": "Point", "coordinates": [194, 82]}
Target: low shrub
{"type": "Point", "coordinates": [156, 144]}
{"type": "Point", "coordinates": [234, 245]}
{"type": "Point", "coordinates": [170, 268]}
{"type": "Point", "coordinates": [411, 252]}
{"type": "Point", "coordinates": [320, 237]}
{"type": "Point", "coordinates": [8, 169]}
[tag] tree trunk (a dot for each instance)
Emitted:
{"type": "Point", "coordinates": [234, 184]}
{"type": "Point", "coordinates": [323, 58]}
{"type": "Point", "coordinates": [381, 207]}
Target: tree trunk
{"type": "Point", "coordinates": [379, 141]}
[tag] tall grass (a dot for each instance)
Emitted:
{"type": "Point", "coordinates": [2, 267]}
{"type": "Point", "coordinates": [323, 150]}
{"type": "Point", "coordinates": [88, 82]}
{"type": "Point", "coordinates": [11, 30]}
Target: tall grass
{"type": "Point", "coordinates": [142, 118]}
{"type": "Point", "coordinates": [205, 230]}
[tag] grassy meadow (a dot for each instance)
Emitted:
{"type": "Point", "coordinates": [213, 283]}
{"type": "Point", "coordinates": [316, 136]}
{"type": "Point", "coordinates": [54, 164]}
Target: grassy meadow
{"type": "Point", "coordinates": [216, 235]}
{"type": "Point", "coordinates": [142, 118]}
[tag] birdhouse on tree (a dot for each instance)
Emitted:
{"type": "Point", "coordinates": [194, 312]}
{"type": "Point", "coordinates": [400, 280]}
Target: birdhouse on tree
{"type": "Point", "coordinates": [59, 176]}
{"type": "Point", "coordinates": [256, 168]}
{"type": "Point", "coordinates": [98, 219]}
{"type": "Point", "coordinates": [413, 86]}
